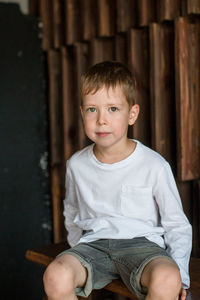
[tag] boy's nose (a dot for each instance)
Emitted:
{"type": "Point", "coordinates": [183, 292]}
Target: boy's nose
{"type": "Point", "coordinates": [101, 118]}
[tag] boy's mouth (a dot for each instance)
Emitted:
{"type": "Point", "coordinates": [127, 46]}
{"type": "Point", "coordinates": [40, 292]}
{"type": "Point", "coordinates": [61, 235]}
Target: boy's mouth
{"type": "Point", "coordinates": [102, 134]}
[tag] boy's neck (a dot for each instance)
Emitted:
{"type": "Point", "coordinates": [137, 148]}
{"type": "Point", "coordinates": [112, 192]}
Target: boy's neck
{"type": "Point", "coordinates": [114, 154]}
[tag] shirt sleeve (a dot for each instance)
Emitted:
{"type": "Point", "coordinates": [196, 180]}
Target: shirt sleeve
{"type": "Point", "coordinates": [71, 210]}
{"type": "Point", "coordinates": [178, 231]}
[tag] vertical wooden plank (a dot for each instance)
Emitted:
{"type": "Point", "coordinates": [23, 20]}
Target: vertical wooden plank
{"type": "Point", "coordinates": [121, 48]}
{"type": "Point", "coordinates": [138, 56]}
{"type": "Point", "coordinates": [185, 189]}
{"type": "Point", "coordinates": [106, 18]}
{"type": "Point", "coordinates": [88, 19]}
{"type": "Point", "coordinates": [101, 49]}
{"type": "Point", "coordinates": [162, 89]}
{"type": "Point", "coordinates": [57, 194]}
{"type": "Point", "coordinates": [55, 105]}
{"type": "Point", "coordinates": [70, 126]}
{"type": "Point", "coordinates": [196, 219]}
{"type": "Point", "coordinates": [72, 22]}
{"type": "Point", "coordinates": [187, 44]}
{"type": "Point", "coordinates": [168, 9]}
{"type": "Point", "coordinates": [47, 24]}
{"type": "Point", "coordinates": [184, 8]}
{"type": "Point", "coordinates": [146, 12]}
{"type": "Point", "coordinates": [74, 63]}
{"type": "Point", "coordinates": [58, 23]}
{"type": "Point", "coordinates": [193, 6]}
{"type": "Point", "coordinates": [34, 8]}
{"type": "Point", "coordinates": [56, 144]}
{"type": "Point", "coordinates": [126, 14]}
{"type": "Point", "coordinates": [81, 52]}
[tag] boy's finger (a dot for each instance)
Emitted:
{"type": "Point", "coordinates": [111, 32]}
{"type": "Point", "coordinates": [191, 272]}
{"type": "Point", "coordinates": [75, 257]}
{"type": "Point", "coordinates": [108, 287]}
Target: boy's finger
{"type": "Point", "coordinates": [183, 294]}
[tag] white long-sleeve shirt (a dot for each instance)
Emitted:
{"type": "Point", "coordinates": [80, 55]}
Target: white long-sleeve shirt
{"type": "Point", "coordinates": [132, 198]}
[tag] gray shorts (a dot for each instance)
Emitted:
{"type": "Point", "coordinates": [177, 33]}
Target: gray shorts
{"type": "Point", "coordinates": [106, 260]}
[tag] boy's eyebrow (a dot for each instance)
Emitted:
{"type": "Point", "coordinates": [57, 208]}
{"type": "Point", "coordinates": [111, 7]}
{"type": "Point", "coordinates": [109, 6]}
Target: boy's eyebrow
{"type": "Point", "coordinates": [115, 104]}
{"type": "Point", "coordinates": [90, 104]}
{"type": "Point", "coordinates": [109, 104]}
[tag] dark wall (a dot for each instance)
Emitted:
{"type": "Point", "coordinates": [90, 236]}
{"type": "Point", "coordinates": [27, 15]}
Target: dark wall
{"type": "Point", "coordinates": [25, 212]}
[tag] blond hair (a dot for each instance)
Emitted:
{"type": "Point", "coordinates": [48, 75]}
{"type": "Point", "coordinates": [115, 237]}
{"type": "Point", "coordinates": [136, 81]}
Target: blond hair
{"type": "Point", "coordinates": [109, 74]}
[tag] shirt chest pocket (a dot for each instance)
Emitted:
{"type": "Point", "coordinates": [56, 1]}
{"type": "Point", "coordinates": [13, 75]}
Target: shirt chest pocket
{"type": "Point", "coordinates": [136, 202]}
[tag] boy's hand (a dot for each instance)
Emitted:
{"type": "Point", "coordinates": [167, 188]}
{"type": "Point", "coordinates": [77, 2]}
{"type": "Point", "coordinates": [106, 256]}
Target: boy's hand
{"type": "Point", "coordinates": [182, 295]}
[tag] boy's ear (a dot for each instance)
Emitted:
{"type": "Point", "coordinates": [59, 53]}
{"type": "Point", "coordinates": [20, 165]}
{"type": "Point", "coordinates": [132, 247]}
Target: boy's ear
{"type": "Point", "coordinates": [81, 109]}
{"type": "Point", "coordinates": [133, 114]}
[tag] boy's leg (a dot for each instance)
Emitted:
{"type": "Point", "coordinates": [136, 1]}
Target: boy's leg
{"type": "Point", "coordinates": [162, 278]}
{"type": "Point", "coordinates": [146, 269]}
{"type": "Point", "coordinates": [62, 276]}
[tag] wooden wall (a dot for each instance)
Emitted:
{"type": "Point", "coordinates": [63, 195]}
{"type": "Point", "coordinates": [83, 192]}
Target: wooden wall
{"type": "Point", "coordinates": [160, 42]}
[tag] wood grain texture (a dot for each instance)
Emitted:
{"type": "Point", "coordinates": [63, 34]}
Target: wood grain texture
{"type": "Point", "coordinates": [126, 14]}
{"type": "Point", "coordinates": [82, 64]}
{"type": "Point", "coordinates": [88, 19]}
{"type": "Point", "coordinates": [55, 106]}
{"type": "Point", "coordinates": [101, 49]}
{"type": "Point", "coordinates": [193, 6]}
{"type": "Point", "coordinates": [162, 89]}
{"type": "Point", "coordinates": [121, 48]}
{"type": "Point", "coordinates": [106, 17]}
{"type": "Point", "coordinates": [72, 22]}
{"type": "Point", "coordinates": [187, 44]}
{"type": "Point", "coordinates": [34, 7]}
{"type": "Point", "coordinates": [75, 62]}
{"type": "Point", "coordinates": [56, 142]}
{"type": "Point", "coordinates": [69, 90]}
{"type": "Point", "coordinates": [185, 189]}
{"type": "Point", "coordinates": [146, 12]}
{"type": "Point", "coordinates": [184, 8]}
{"type": "Point", "coordinates": [58, 23]}
{"type": "Point", "coordinates": [57, 195]}
{"type": "Point", "coordinates": [46, 13]}
{"type": "Point", "coordinates": [168, 10]}
{"type": "Point", "coordinates": [138, 57]}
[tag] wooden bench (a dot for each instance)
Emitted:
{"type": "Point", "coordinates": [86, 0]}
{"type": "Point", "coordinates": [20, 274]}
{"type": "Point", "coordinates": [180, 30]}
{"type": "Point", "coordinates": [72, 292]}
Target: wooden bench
{"type": "Point", "coordinates": [44, 255]}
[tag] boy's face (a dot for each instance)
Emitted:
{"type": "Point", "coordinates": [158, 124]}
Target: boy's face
{"type": "Point", "coordinates": [106, 116]}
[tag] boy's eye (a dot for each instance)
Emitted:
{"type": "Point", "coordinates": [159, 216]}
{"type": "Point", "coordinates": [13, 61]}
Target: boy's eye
{"type": "Point", "coordinates": [91, 109]}
{"type": "Point", "coordinates": [113, 109]}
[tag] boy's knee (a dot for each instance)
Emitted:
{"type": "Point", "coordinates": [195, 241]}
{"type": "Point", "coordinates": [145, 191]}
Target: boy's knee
{"type": "Point", "coordinates": [165, 282]}
{"type": "Point", "coordinates": [58, 280]}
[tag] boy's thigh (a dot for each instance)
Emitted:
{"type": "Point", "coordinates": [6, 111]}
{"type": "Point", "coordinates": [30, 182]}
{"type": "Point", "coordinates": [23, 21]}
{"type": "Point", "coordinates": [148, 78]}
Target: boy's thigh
{"type": "Point", "coordinates": [100, 268]}
{"type": "Point", "coordinates": [131, 258]}
{"type": "Point", "coordinates": [157, 269]}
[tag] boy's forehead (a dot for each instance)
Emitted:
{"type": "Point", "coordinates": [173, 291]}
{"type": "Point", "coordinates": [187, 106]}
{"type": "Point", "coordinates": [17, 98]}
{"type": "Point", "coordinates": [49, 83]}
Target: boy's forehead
{"type": "Point", "coordinates": [113, 95]}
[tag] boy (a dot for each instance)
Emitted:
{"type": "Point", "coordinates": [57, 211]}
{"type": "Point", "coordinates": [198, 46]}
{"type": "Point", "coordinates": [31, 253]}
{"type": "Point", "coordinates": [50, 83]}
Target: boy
{"type": "Point", "coordinates": [122, 209]}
